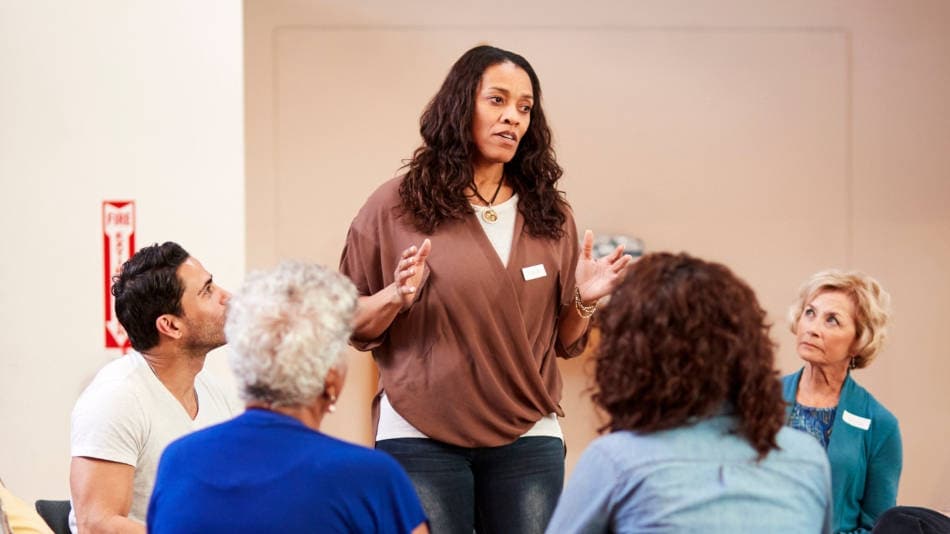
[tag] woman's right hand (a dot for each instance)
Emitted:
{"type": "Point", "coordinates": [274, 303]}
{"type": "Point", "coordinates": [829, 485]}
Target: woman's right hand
{"type": "Point", "coordinates": [376, 312]}
{"type": "Point", "coordinates": [409, 272]}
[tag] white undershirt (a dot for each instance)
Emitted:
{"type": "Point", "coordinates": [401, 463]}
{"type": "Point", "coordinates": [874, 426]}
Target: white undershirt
{"type": "Point", "coordinates": [500, 234]}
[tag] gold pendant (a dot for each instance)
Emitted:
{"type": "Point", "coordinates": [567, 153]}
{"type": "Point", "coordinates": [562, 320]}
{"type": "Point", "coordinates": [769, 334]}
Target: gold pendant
{"type": "Point", "coordinates": [489, 215]}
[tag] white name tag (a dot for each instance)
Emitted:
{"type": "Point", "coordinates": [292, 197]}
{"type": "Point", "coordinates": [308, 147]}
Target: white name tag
{"type": "Point", "coordinates": [856, 420]}
{"type": "Point", "coordinates": [535, 271]}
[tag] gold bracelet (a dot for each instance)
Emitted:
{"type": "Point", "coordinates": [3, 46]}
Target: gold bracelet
{"type": "Point", "coordinates": [584, 311]}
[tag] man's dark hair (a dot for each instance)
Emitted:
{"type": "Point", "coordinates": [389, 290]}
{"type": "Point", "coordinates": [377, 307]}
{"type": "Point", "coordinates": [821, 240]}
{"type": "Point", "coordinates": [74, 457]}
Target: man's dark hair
{"type": "Point", "coordinates": [148, 287]}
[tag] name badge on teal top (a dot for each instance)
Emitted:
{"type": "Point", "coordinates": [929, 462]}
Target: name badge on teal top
{"type": "Point", "coordinates": [856, 420]}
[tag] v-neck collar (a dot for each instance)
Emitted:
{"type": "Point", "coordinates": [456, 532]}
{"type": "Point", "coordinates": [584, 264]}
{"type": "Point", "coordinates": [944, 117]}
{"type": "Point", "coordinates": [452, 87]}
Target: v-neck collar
{"type": "Point", "coordinates": [169, 396]}
{"type": "Point", "coordinates": [486, 247]}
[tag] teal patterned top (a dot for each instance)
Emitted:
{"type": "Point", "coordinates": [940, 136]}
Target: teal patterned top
{"type": "Point", "coordinates": [865, 461]}
{"type": "Point", "coordinates": [815, 421]}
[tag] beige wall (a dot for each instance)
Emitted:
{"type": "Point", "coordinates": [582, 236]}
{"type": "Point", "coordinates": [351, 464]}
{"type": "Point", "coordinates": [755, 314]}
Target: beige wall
{"type": "Point", "coordinates": [780, 138]}
{"type": "Point", "coordinates": [121, 99]}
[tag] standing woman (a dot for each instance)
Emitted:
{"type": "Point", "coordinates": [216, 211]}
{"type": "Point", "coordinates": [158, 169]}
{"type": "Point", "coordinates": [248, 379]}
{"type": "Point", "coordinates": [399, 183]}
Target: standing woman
{"type": "Point", "coordinates": [840, 321]}
{"type": "Point", "coordinates": [471, 283]}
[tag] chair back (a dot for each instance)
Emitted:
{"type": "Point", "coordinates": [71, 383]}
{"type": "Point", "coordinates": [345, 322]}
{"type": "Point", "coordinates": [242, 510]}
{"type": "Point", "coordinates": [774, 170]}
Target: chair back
{"type": "Point", "coordinates": [56, 514]}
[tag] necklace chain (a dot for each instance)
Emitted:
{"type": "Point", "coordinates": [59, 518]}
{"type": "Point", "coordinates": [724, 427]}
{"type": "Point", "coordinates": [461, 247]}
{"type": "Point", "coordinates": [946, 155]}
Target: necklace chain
{"type": "Point", "coordinates": [493, 197]}
{"type": "Point", "coordinates": [489, 215]}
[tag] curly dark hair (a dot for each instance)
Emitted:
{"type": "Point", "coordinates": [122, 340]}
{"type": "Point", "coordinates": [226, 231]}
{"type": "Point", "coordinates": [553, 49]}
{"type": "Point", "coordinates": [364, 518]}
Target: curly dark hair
{"type": "Point", "coordinates": [681, 339]}
{"type": "Point", "coordinates": [148, 287]}
{"type": "Point", "coordinates": [432, 191]}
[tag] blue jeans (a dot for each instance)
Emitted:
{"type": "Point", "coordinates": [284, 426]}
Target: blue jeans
{"type": "Point", "coordinates": [512, 488]}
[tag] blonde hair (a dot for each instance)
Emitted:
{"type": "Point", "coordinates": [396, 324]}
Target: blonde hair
{"type": "Point", "coordinates": [871, 305]}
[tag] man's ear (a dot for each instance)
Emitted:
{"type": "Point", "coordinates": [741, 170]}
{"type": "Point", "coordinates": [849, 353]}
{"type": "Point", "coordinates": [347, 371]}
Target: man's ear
{"type": "Point", "coordinates": [168, 325]}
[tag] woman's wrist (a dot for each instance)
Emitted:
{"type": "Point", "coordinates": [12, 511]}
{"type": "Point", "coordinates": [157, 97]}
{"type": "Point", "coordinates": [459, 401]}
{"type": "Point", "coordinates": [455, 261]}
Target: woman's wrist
{"type": "Point", "coordinates": [402, 298]}
{"type": "Point", "coordinates": [396, 296]}
{"type": "Point", "coordinates": [584, 310]}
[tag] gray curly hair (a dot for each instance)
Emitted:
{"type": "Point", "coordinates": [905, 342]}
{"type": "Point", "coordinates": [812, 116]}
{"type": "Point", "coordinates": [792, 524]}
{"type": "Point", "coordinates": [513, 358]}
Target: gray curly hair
{"type": "Point", "coordinates": [287, 328]}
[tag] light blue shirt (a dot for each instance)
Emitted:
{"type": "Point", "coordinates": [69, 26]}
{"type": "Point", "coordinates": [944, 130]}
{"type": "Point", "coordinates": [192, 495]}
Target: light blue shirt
{"type": "Point", "coordinates": [697, 478]}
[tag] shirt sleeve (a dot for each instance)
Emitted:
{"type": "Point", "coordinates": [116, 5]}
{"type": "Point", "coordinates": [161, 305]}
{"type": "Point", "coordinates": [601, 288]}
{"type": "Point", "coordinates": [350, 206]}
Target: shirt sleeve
{"type": "Point", "coordinates": [360, 262]}
{"type": "Point", "coordinates": [108, 424]}
{"type": "Point", "coordinates": [884, 471]}
{"type": "Point", "coordinates": [574, 349]}
{"type": "Point", "coordinates": [586, 504]}
{"type": "Point", "coordinates": [569, 257]}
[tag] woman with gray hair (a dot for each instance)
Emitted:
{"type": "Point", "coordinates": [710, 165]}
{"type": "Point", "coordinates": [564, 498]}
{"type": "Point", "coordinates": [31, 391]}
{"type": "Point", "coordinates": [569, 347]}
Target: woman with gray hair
{"type": "Point", "coordinates": [271, 469]}
{"type": "Point", "coordinates": [840, 322]}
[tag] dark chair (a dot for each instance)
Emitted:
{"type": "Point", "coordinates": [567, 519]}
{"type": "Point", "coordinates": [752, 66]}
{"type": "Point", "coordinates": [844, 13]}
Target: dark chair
{"type": "Point", "coordinates": [912, 520]}
{"type": "Point", "coordinates": [56, 514]}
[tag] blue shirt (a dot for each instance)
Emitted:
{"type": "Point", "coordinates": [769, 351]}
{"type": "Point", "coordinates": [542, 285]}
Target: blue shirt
{"type": "Point", "coordinates": [696, 478]}
{"type": "Point", "coordinates": [267, 472]}
{"type": "Point", "coordinates": [815, 421]}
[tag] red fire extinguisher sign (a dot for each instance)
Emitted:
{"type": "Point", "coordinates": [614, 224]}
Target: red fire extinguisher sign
{"type": "Point", "coordinates": [118, 240]}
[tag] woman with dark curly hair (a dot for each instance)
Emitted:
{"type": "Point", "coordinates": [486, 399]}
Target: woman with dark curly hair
{"type": "Point", "coordinates": [472, 283]}
{"type": "Point", "coordinates": [696, 444]}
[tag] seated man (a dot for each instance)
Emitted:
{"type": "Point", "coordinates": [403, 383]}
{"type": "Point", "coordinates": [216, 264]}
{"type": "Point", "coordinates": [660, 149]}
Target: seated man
{"type": "Point", "coordinates": [136, 405]}
{"type": "Point", "coordinates": [271, 469]}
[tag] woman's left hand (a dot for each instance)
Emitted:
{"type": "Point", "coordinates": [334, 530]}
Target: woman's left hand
{"type": "Point", "coordinates": [598, 278]}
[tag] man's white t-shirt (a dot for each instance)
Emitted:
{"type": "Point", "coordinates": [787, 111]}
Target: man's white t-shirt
{"type": "Point", "coordinates": [127, 415]}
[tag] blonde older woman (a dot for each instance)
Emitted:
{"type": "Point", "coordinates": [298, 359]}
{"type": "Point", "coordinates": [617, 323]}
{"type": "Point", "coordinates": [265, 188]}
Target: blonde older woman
{"type": "Point", "coordinates": [840, 322]}
{"type": "Point", "coordinates": [271, 469]}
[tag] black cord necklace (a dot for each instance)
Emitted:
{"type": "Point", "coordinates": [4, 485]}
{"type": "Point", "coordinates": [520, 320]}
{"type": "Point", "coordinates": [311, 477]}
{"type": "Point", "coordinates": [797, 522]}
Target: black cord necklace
{"type": "Point", "coordinates": [489, 215]}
